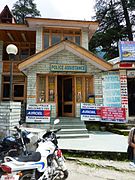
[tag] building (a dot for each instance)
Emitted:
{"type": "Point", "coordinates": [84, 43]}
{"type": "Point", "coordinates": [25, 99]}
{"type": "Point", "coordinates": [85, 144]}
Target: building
{"type": "Point", "coordinates": [53, 65]}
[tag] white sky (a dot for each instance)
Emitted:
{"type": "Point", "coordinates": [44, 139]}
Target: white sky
{"type": "Point", "coordinates": [61, 9]}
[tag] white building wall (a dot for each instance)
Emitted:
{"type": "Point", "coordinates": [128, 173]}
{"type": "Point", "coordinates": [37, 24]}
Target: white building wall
{"type": "Point", "coordinates": [39, 39]}
{"type": "Point", "coordinates": [85, 41]}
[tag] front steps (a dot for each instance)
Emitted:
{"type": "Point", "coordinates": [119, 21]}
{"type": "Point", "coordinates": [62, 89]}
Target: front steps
{"type": "Point", "coordinates": [72, 128]}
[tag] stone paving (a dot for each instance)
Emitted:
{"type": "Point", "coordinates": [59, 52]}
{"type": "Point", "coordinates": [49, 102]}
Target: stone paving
{"type": "Point", "coordinates": [101, 142]}
{"type": "Point", "coordinates": [97, 141]}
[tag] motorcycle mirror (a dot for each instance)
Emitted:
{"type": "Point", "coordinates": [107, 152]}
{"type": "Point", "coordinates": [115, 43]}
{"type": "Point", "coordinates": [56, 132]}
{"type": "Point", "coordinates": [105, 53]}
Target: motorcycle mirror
{"type": "Point", "coordinates": [20, 122]}
{"type": "Point", "coordinates": [56, 121]}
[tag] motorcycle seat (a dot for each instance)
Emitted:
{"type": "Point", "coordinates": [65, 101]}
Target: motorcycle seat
{"type": "Point", "coordinates": [33, 157]}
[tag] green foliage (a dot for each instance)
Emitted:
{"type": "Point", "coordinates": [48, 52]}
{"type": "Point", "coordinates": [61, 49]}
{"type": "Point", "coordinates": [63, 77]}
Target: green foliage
{"type": "Point", "coordinates": [116, 22]}
{"type": "Point", "coordinates": [24, 8]}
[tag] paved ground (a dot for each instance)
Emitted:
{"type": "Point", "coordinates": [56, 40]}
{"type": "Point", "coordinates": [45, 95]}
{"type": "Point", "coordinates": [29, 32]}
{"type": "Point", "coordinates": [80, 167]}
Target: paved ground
{"type": "Point", "coordinates": [97, 141]}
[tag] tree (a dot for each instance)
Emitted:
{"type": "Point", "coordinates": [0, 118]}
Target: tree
{"type": "Point", "coordinates": [24, 8]}
{"type": "Point", "coordinates": [116, 21]}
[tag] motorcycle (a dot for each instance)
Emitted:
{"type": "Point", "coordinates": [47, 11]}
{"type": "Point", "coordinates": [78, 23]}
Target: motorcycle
{"type": "Point", "coordinates": [15, 144]}
{"type": "Point", "coordinates": [46, 163]}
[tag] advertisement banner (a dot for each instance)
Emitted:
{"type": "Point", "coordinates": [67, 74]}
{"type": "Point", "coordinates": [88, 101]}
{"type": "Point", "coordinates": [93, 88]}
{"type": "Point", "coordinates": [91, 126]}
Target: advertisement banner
{"type": "Point", "coordinates": [111, 89]}
{"type": "Point", "coordinates": [112, 114]}
{"type": "Point", "coordinates": [38, 113]}
{"type": "Point", "coordinates": [127, 50]}
{"type": "Point", "coordinates": [90, 112]}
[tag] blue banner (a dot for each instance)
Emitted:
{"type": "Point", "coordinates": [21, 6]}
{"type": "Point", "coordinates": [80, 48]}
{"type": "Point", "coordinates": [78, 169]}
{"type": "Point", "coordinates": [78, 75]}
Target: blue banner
{"type": "Point", "coordinates": [35, 113]}
{"type": "Point", "coordinates": [88, 112]}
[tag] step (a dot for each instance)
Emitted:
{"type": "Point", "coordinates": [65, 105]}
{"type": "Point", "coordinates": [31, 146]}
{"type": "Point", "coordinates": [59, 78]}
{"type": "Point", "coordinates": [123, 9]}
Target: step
{"type": "Point", "coordinates": [70, 127]}
{"type": "Point", "coordinates": [78, 131]}
{"type": "Point", "coordinates": [73, 136]}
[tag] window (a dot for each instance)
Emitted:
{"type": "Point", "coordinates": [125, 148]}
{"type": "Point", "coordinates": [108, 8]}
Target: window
{"type": "Point", "coordinates": [51, 90]}
{"type": "Point", "coordinates": [18, 90]}
{"type": "Point", "coordinates": [77, 40]}
{"type": "Point", "coordinates": [79, 89]}
{"type": "Point", "coordinates": [24, 53]}
{"type": "Point", "coordinates": [70, 38]}
{"type": "Point", "coordinates": [88, 88]}
{"type": "Point", "coordinates": [6, 88]}
{"type": "Point", "coordinates": [46, 40]}
{"type": "Point", "coordinates": [84, 89]}
{"type": "Point", "coordinates": [18, 85]}
{"type": "Point", "coordinates": [55, 38]}
{"type": "Point", "coordinates": [46, 88]}
{"type": "Point", "coordinates": [52, 36]}
{"type": "Point", "coordinates": [41, 89]}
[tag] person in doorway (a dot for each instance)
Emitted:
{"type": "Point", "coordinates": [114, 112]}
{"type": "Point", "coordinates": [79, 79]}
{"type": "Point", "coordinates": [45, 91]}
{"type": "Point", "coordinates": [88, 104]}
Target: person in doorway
{"type": "Point", "coordinates": [131, 147]}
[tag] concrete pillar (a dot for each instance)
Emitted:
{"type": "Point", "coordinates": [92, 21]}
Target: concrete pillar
{"type": "Point", "coordinates": [10, 114]}
{"type": "Point", "coordinates": [1, 57]}
{"type": "Point", "coordinates": [39, 39]}
{"type": "Point", "coordinates": [85, 41]}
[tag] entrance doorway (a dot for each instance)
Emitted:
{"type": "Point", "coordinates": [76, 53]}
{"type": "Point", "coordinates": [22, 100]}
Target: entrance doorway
{"type": "Point", "coordinates": [131, 96]}
{"type": "Point", "coordinates": [65, 96]}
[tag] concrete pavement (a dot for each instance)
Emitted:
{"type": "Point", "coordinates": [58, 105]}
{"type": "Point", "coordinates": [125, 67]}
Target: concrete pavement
{"type": "Point", "coordinates": [100, 142]}
{"type": "Point", "coordinates": [97, 141]}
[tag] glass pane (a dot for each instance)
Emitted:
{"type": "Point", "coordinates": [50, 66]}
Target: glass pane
{"type": "Point", "coordinates": [89, 96]}
{"type": "Point", "coordinates": [6, 79]}
{"type": "Point", "coordinates": [18, 90]}
{"type": "Point", "coordinates": [77, 40]}
{"type": "Point", "coordinates": [41, 89]}
{"type": "Point", "coordinates": [46, 40]}
{"type": "Point", "coordinates": [6, 90]}
{"type": "Point", "coordinates": [79, 89]}
{"type": "Point", "coordinates": [55, 38]}
{"type": "Point", "coordinates": [70, 38]}
{"type": "Point", "coordinates": [51, 85]}
{"type": "Point", "coordinates": [24, 53]}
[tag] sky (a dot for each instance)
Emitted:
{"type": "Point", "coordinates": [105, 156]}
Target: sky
{"type": "Point", "coordinates": [60, 9]}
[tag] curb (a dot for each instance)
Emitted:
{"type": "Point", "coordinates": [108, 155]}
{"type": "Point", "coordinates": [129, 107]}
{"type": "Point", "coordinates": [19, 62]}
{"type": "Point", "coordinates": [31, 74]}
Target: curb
{"type": "Point", "coordinates": [107, 164]}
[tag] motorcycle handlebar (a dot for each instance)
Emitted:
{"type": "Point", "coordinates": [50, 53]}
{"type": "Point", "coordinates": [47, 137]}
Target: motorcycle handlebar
{"type": "Point", "coordinates": [57, 130]}
{"type": "Point", "coordinates": [18, 130]}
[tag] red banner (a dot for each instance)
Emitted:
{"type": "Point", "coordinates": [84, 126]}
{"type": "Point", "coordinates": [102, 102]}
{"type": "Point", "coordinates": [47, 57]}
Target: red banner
{"type": "Point", "coordinates": [113, 114]}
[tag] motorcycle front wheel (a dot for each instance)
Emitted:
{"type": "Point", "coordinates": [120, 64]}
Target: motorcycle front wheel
{"type": "Point", "coordinates": [61, 175]}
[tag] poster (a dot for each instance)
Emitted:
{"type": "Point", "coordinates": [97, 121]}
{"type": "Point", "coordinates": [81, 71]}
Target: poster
{"type": "Point", "coordinates": [127, 50]}
{"type": "Point", "coordinates": [111, 89]}
{"type": "Point", "coordinates": [90, 112]}
{"type": "Point", "coordinates": [93, 112]}
{"type": "Point", "coordinates": [38, 113]}
{"type": "Point", "coordinates": [112, 114]}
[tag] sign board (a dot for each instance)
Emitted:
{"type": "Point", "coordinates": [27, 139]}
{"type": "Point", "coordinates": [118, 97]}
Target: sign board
{"type": "Point", "coordinates": [68, 67]}
{"type": "Point", "coordinates": [90, 112]}
{"type": "Point", "coordinates": [112, 114]}
{"type": "Point", "coordinates": [38, 113]}
{"type": "Point", "coordinates": [111, 89]}
{"type": "Point", "coordinates": [127, 50]}
{"type": "Point", "coordinates": [131, 74]}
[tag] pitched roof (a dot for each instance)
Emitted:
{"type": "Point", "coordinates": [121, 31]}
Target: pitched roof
{"type": "Point", "coordinates": [89, 26]}
{"type": "Point", "coordinates": [70, 46]}
{"type": "Point", "coordinates": [6, 16]}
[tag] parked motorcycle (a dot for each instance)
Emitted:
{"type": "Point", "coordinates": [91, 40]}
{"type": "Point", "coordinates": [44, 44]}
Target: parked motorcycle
{"type": "Point", "coordinates": [15, 144]}
{"type": "Point", "coordinates": [47, 163]}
